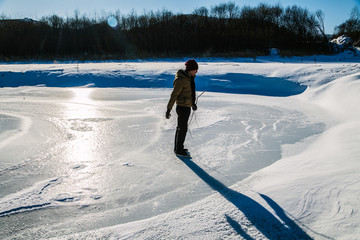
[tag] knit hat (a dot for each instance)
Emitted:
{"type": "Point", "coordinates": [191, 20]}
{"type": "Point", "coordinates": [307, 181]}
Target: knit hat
{"type": "Point", "coordinates": [191, 65]}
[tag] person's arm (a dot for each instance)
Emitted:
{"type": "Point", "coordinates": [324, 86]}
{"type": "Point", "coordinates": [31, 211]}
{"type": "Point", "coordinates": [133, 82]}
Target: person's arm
{"type": "Point", "coordinates": [178, 86]}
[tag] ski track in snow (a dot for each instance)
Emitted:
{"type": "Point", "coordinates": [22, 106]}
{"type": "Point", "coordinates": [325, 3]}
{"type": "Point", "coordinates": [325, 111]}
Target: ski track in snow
{"type": "Point", "coordinates": [100, 152]}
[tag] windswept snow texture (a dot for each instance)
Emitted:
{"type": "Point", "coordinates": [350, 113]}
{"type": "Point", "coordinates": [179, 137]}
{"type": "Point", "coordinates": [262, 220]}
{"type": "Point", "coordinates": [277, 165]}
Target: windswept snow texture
{"type": "Point", "coordinates": [86, 151]}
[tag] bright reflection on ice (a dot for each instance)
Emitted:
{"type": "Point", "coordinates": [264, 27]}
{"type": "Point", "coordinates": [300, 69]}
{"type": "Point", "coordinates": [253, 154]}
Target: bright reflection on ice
{"type": "Point", "coordinates": [81, 106]}
{"type": "Point", "coordinates": [82, 120]}
{"type": "Point", "coordinates": [82, 95]}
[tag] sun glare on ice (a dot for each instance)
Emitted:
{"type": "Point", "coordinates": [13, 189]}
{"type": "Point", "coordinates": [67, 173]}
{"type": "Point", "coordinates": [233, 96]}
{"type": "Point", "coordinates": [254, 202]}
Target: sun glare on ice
{"type": "Point", "coordinates": [81, 117]}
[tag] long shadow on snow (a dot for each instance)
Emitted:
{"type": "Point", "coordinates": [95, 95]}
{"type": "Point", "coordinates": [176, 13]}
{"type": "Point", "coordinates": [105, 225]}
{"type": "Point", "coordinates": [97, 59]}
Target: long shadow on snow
{"type": "Point", "coordinates": [227, 83]}
{"type": "Point", "coordinates": [259, 216]}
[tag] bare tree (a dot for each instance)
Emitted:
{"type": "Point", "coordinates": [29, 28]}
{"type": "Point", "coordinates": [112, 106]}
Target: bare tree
{"type": "Point", "coordinates": [203, 12]}
{"type": "Point", "coordinates": [320, 24]}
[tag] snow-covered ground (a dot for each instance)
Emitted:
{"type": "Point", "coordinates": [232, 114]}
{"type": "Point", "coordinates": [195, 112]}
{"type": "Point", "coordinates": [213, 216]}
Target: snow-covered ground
{"type": "Point", "coordinates": [86, 151]}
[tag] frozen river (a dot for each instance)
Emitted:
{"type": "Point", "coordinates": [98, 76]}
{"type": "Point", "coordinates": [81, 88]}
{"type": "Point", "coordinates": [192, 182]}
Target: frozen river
{"type": "Point", "coordinates": [82, 158]}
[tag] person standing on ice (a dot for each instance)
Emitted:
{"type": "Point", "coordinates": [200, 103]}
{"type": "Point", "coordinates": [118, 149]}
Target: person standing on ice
{"type": "Point", "coordinates": [185, 97]}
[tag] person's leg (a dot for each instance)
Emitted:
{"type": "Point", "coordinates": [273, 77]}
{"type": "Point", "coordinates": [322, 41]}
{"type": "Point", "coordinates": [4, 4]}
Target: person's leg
{"type": "Point", "coordinates": [182, 126]}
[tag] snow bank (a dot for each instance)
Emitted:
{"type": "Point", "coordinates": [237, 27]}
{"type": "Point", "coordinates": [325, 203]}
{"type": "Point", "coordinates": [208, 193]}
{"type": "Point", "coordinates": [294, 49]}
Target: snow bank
{"type": "Point", "coordinates": [343, 41]}
{"type": "Point", "coordinates": [138, 75]}
{"type": "Point", "coordinates": [319, 185]}
{"type": "Point", "coordinates": [343, 44]}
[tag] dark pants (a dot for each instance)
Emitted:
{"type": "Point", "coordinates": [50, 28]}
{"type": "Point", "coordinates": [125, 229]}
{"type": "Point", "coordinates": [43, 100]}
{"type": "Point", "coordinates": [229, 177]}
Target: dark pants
{"type": "Point", "coordinates": [182, 126]}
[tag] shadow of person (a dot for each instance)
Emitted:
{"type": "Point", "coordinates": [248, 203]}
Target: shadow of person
{"type": "Point", "coordinates": [264, 221]}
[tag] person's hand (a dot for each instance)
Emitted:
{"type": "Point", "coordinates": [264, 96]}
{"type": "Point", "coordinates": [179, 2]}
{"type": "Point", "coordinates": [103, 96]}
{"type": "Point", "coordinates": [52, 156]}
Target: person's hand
{"type": "Point", "coordinates": [194, 107]}
{"type": "Point", "coordinates": [167, 114]}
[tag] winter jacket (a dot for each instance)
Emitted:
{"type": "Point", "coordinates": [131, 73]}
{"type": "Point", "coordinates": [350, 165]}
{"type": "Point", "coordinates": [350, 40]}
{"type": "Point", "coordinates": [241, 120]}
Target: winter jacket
{"type": "Point", "coordinates": [184, 90]}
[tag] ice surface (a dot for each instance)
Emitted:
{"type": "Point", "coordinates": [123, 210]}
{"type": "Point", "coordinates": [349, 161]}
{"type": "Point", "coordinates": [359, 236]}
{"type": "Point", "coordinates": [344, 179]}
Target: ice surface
{"type": "Point", "coordinates": [280, 161]}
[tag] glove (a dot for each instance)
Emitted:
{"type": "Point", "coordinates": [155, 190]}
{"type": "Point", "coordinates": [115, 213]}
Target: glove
{"type": "Point", "coordinates": [194, 107]}
{"type": "Point", "coordinates": [167, 114]}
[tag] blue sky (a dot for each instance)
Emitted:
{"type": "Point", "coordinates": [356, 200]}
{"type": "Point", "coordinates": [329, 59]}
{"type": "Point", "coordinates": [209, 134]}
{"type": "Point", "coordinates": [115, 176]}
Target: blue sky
{"type": "Point", "coordinates": [336, 11]}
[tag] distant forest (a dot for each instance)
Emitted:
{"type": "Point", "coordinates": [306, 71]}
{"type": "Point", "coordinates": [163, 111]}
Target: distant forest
{"type": "Point", "coordinates": [224, 30]}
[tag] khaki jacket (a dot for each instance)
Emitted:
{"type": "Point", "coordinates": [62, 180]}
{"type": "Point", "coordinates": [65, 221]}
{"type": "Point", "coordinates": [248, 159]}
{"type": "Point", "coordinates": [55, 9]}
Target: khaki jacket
{"type": "Point", "coordinates": [181, 93]}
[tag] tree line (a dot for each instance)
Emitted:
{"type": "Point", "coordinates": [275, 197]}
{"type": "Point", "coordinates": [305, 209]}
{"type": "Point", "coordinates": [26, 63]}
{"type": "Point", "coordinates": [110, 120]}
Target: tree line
{"type": "Point", "coordinates": [223, 30]}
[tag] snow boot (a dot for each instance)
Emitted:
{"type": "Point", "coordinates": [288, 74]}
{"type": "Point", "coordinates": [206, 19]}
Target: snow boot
{"type": "Point", "coordinates": [185, 149]}
{"type": "Point", "coordinates": [182, 153]}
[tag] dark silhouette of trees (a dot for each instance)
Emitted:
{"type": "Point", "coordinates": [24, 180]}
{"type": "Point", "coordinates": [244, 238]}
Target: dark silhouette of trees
{"type": "Point", "coordinates": [223, 30]}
